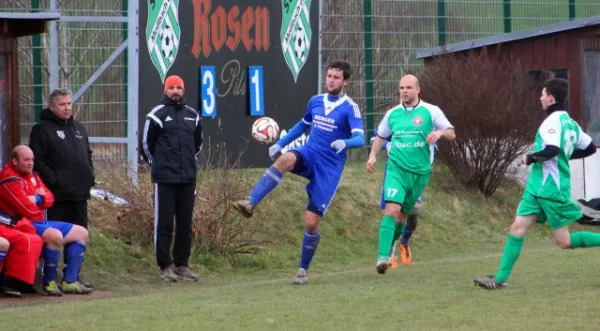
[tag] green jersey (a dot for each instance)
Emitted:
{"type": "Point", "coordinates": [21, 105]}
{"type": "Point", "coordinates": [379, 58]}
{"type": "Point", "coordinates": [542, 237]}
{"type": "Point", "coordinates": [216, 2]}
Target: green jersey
{"type": "Point", "coordinates": [409, 128]}
{"type": "Point", "coordinates": [552, 179]}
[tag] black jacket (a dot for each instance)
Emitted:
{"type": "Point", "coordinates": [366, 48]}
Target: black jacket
{"type": "Point", "coordinates": [171, 142]}
{"type": "Point", "coordinates": [62, 157]}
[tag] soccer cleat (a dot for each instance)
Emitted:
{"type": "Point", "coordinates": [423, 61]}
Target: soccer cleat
{"type": "Point", "coordinates": [405, 254]}
{"type": "Point", "coordinates": [11, 292]}
{"type": "Point", "coordinates": [301, 277]}
{"type": "Point", "coordinates": [394, 257]}
{"type": "Point", "coordinates": [185, 273]}
{"type": "Point", "coordinates": [75, 288]}
{"type": "Point", "coordinates": [169, 274]}
{"type": "Point", "coordinates": [489, 283]}
{"type": "Point", "coordinates": [52, 289]}
{"type": "Point", "coordinates": [244, 207]}
{"type": "Point", "coordinates": [382, 265]}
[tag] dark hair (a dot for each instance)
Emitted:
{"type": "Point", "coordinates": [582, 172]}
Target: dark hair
{"type": "Point", "coordinates": [558, 88]}
{"type": "Point", "coordinates": [343, 66]}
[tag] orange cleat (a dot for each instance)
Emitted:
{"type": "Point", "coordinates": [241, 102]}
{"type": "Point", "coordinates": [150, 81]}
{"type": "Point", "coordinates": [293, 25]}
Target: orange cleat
{"type": "Point", "coordinates": [405, 254]}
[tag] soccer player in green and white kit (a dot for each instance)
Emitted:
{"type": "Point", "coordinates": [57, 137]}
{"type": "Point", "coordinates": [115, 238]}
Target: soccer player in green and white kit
{"type": "Point", "coordinates": [413, 125]}
{"type": "Point", "coordinates": [547, 196]}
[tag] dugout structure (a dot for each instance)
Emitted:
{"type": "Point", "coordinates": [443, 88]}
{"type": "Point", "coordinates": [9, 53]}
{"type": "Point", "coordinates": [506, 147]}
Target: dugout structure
{"type": "Point", "coordinates": [569, 50]}
{"type": "Point", "coordinates": [13, 26]}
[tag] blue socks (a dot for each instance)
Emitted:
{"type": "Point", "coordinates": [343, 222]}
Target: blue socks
{"type": "Point", "coordinates": [51, 257]}
{"type": "Point", "coordinates": [309, 247]}
{"type": "Point", "coordinates": [2, 256]}
{"type": "Point", "coordinates": [265, 185]}
{"type": "Point", "coordinates": [406, 236]}
{"type": "Point", "coordinates": [75, 252]}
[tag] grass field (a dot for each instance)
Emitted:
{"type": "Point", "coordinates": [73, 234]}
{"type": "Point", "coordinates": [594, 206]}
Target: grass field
{"type": "Point", "coordinates": [461, 236]}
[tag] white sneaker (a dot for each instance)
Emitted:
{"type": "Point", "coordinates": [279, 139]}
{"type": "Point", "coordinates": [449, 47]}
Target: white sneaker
{"type": "Point", "coordinates": [382, 265]}
{"type": "Point", "coordinates": [301, 277]}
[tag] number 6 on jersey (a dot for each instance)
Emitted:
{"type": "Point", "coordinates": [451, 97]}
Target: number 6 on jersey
{"type": "Point", "coordinates": [208, 87]}
{"type": "Point", "coordinates": [257, 100]}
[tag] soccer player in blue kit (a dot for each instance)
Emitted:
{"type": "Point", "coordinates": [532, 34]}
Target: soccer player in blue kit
{"type": "Point", "coordinates": [336, 125]}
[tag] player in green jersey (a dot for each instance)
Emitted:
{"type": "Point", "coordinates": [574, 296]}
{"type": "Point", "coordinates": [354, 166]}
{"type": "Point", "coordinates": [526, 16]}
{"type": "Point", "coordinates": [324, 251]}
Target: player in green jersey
{"type": "Point", "coordinates": [547, 196]}
{"type": "Point", "coordinates": [413, 125]}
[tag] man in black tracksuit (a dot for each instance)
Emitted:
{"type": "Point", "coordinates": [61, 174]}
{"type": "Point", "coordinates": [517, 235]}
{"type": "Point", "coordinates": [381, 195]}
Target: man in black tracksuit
{"type": "Point", "coordinates": [63, 159]}
{"type": "Point", "coordinates": [171, 141]}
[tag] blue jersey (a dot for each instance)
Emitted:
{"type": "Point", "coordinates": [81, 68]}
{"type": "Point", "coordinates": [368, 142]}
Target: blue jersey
{"type": "Point", "coordinates": [331, 118]}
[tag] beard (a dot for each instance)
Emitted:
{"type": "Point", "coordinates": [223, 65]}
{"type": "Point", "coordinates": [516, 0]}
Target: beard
{"type": "Point", "coordinates": [175, 97]}
{"type": "Point", "coordinates": [335, 91]}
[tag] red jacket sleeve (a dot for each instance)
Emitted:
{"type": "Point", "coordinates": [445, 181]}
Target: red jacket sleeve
{"type": "Point", "coordinates": [48, 197]}
{"type": "Point", "coordinates": [13, 193]}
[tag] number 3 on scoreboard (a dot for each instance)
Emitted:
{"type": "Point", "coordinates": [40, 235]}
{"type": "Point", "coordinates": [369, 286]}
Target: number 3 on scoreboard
{"type": "Point", "coordinates": [257, 100]}
{"type": "Point", "coordinates": [208, 101]}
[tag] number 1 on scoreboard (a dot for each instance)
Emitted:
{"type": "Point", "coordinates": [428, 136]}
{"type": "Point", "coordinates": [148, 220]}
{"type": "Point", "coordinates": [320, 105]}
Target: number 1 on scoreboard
{"type": "Point", "coordinates": [257, 99]}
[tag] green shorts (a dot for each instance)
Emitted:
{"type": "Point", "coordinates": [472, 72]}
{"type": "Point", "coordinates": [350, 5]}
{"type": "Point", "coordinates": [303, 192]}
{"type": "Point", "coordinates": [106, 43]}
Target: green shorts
{"type": "Point", "coordinates": [556, 213]}
{"type": "Point", "coordinates": [403, 187]}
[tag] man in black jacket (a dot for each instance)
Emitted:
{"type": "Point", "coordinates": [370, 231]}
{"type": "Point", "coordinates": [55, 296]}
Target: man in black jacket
{"type": "Point", "coordinates": [63, 159]}
{"type": "Point", "coordinates": [171, 142]}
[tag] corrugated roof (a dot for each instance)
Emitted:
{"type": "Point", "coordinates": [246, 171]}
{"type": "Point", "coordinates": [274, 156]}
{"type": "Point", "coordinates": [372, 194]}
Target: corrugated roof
{"type": "Point", "coordinates": [509, 37]}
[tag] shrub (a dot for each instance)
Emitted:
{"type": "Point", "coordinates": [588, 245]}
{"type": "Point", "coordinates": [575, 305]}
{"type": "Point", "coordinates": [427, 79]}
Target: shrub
{"type": "Point", "coordinates": [494, 107]}
{"type": "Point", "coordinates": [216, 227]}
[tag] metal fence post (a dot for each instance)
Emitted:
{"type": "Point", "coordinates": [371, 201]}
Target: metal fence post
{"type": "Point", "coordinates": [36, 58]}
{"type": "Point", "coordinates": [132, 89]}
{"type": "Point", "coordinates": [54, 64]}
{"type": "Point", "coordinates": [506, 13]}
{"type": "Point", "coordinates": [572, 12]}
{"type": "Point", "coordinates": [441, 8]}
{"type": "Point", "coordinates": [368, 34]}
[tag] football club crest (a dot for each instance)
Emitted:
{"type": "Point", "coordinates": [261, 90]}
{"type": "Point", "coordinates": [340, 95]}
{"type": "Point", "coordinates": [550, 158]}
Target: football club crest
{"type": "Point", "coordinates": [60, 134]}
{"type": "Point", "coordinates": [163, 34]}
{"type": "Point", "coordinates": [418, 120]}
{"type": "Point", "coordinates": [295, 34]}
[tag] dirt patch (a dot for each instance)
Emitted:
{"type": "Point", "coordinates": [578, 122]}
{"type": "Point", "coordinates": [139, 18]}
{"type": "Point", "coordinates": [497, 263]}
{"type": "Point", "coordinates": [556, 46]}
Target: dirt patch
{"type": "Point", "coordinates": [38, 298]}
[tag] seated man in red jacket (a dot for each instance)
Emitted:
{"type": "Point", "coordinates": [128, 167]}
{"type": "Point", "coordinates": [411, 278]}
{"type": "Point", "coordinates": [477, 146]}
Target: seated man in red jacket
{"type": "Point", "coordinates": [22, 193]}
{"type": "Point", "coordinates": [20, 249]}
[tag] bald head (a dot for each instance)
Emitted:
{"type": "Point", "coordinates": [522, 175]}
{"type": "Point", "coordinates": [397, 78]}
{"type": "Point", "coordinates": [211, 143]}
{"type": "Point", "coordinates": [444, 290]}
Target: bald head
{"type": "Point", "coordinates": [409, 90]}
{"type": "Point", "coordinates": [409, 80]}
{"type": "Point", "coordinates": [22, 159]}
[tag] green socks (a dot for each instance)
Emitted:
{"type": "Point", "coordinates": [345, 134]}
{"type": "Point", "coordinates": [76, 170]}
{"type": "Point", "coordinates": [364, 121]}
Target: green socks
{"type": "Point", "coordinates": [387, 227]}
{"type": "Point", "coordinates": [512, 250]}
{"type": "Point", "coordinates": [398, 230]}
{"type": "Point", "coordinates": [585, 239]}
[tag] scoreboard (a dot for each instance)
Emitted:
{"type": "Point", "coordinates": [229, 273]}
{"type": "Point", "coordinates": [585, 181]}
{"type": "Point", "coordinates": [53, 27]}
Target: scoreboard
{"type": "Point", "coordinates": [239, 60]}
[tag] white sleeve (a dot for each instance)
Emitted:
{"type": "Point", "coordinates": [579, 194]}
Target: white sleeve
{"type": "Point", "coordinates": [383, 130]}
{"type": "Point", "coordinates": [584, 139]}
{"type": "Point", "coordinates": [440, 122]}
{"type": "Point", "coordinates": [550, 131]}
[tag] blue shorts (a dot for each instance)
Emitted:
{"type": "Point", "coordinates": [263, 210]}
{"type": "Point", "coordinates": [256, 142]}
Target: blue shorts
{"type": "Point", "coordinates": [42, 226]}
{"type": "Point", "coordinates": [382, 202]}
{"type": "Point", "coordinates": [324, 178]}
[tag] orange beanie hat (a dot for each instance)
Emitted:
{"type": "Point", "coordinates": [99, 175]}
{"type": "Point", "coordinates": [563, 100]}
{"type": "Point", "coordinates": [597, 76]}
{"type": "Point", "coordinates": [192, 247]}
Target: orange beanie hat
{"type": "Point", "coordinates": [173, 80]}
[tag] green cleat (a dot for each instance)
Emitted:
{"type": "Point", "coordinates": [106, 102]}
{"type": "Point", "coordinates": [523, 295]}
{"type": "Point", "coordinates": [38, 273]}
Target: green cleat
{"type": "Point", "coordinates": [52, 289]}
{"type": "Point", "coordinates": [75, 288]}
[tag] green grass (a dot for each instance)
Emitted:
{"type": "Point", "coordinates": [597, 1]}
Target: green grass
{"type": "Point", "coordinates": [460, 236]}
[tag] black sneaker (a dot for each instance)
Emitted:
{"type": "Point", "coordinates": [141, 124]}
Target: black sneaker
{"type": "Point", "coordinates": [489, 283]}
{"type": "Point", "coordinates": [244, 207]}
{"type": "Point", "coordinates": [169, 274]}
{"type": "Point", "coordinates": [11, 292]}
{"type": "Point", "coordinates": [184, 273]}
